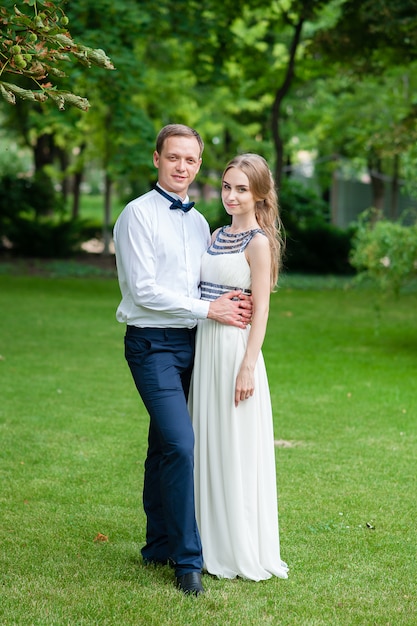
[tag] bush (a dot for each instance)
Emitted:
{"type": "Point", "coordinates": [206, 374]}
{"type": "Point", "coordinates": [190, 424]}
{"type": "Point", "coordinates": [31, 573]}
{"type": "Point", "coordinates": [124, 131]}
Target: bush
{"type": "Point", "coordinates": [45, 237]}
{"type": "Point", "coordinates": [14, 199]}
{"type": "Point", "coordinates": [318, 249]}
{"type": "Point", "coordinates": [32, 218]}
{"type": "Point", "coordinates": [35, 196]}
{"type": "Point", "coordinates": [385, 252]}
{"type": "Point", "coordinates": [313, 245]}
{"type": "Point", "coordinates": [301, 206]}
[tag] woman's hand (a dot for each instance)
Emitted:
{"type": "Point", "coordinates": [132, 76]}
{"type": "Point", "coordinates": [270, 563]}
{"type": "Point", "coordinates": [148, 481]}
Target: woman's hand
{"type": "Point", "coordinates": [245, 383]}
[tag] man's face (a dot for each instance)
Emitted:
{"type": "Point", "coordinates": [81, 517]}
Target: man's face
{"type": "Point", "coordinates": [178, 164]}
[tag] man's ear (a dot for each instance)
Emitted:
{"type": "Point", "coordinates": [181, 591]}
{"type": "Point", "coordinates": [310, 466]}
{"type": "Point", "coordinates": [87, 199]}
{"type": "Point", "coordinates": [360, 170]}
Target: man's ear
{"type": "Point", "coordinates": [156, 158]}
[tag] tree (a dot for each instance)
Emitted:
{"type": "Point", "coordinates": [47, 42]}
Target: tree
{"type": "Point", "coordinates": [372, 49]}
{"type": "Point", "coordinates": [251, 48]}
{"type": "Point", "coordinates": [118, 132]}
{"type": "Point", "coordinates": [34, 46]}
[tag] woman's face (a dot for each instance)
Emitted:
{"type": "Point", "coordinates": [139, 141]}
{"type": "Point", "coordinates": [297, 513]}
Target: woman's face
{"type": "Point", "coordinates": [237, 197]}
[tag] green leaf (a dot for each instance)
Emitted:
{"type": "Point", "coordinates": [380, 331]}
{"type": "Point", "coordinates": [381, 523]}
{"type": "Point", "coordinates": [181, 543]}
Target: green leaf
{"type": "Point", "coordinates": [25, 94]}
{"type": "Point", "coordinates": [64, 97]}
{"type": "Point", "coordinates": [7, 95]}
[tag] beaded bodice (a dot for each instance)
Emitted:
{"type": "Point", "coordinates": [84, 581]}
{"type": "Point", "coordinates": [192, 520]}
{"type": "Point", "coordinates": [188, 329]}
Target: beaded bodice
{"type": "Point", "coordinates": [224, 266]}
{"type": "Point", "coordinates": [230, 243]}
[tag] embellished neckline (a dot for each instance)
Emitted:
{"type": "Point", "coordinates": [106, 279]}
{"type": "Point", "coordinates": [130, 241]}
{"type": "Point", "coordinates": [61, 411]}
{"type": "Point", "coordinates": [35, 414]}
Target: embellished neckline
{"type": "Point", "coordinates": [241, 234]}
{"type": "Point", "coordinates": [231, 243]}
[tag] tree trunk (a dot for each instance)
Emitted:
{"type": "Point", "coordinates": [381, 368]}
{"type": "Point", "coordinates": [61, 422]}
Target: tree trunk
{"type": "Point", "coordinates": [377, 183]}
{"type": "Point", "coordinates": [77, 180]}
{"type": "Point", "coordinates": [107, 214]}
{"type": "Point", "coordinates": [378, 191]}
{"type": "Point", "coordinates": [334, 199]}
{"type": "Point", "coordinates": [76, 194]}
{"type": "Point", "coordinates": [279, 96]}
{"type": "Point", "coordinates": [44, 151]}
{"type": "Point", "coordinates": [395, 188]}
{"type": "Point", "coordinates": [63, 158]}
{"type": "Point", "coordinates": [43, 155]}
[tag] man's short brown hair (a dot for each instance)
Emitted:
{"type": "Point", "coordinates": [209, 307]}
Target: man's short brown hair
{"type": "Point", "coordinates": [177, 130]}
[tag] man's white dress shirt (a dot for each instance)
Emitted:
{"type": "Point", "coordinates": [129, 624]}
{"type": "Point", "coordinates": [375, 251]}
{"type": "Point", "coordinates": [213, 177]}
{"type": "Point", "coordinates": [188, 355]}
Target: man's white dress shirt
{"type": "Point", "coordinates": [158, 257]}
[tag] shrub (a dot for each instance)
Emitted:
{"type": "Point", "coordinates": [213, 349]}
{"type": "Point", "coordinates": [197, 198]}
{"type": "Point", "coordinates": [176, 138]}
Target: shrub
{"type": "Point", "coordinates": [35, 196]}
{"type": "Point", "coordinates": [14, 198]}
{"type": "Point", "coordinates": [313, 245]}
{"type": "Point", "coordinates": [32, 218]}
{"type": "Point", "coordinates": [385, 252]}
{"type": "Point", "coordinates": [318, 249]}
{"type": "Point", "coordinates": [301, 206]}
{"type": "Point", "coordinates": [45, 237]}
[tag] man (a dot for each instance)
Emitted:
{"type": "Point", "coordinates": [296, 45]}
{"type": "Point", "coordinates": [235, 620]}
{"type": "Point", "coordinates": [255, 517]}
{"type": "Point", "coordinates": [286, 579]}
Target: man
{"type": "Point", "coordinates": [159, 243]}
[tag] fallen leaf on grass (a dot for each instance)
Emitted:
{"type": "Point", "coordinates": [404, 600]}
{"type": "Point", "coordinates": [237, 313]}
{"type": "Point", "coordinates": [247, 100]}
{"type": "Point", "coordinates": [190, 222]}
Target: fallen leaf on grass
{"type": "Point", "coordinates": [100, 537]}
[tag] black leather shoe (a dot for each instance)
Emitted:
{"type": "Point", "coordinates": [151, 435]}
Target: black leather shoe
{"type": "Point", "coordinates": [190, 584]}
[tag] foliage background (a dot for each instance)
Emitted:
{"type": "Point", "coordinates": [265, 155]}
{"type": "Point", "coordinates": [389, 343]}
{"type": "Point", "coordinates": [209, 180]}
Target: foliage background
{"type": "Point", "coordinates": [285, 78]}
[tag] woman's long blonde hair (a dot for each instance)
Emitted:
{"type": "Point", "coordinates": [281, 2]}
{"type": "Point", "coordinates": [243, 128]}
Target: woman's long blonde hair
{"type": "Point", "coordinates": [262, 186]}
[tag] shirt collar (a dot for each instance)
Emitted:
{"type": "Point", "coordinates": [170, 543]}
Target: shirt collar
{"type": "Point", "coordinates": [174, 195]}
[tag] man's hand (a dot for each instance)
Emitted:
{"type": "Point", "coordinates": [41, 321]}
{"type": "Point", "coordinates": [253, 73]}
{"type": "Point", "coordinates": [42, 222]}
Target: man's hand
{"type": "Point", "coordinates": [233, 308]}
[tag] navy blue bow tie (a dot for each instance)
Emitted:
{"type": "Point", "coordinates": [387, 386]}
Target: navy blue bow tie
{"type": "Point", "coordinates": [176, 202]}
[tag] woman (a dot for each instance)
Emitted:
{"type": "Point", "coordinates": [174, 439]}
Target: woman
{"type": "Point", "coordinates": [235, 481]}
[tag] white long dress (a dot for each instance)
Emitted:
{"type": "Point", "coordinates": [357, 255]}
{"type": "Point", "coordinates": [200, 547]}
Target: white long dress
{"type": "Point", "coordinates": [235, 477]}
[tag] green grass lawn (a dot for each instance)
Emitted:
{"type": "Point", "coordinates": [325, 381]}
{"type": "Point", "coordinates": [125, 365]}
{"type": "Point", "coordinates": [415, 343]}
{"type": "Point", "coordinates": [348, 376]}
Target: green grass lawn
{"type": "Point", "coordinates": [73, 442]}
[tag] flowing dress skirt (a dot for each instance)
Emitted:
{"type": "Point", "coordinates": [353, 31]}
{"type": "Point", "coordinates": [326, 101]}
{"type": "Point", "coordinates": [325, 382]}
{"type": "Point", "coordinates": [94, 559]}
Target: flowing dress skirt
{"type": "Point", "coordinates": [235, 474]}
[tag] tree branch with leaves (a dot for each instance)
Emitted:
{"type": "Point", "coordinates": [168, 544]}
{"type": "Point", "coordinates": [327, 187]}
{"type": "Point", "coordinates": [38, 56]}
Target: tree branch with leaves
{"type": "Point", "coordinates": [35, 45]}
